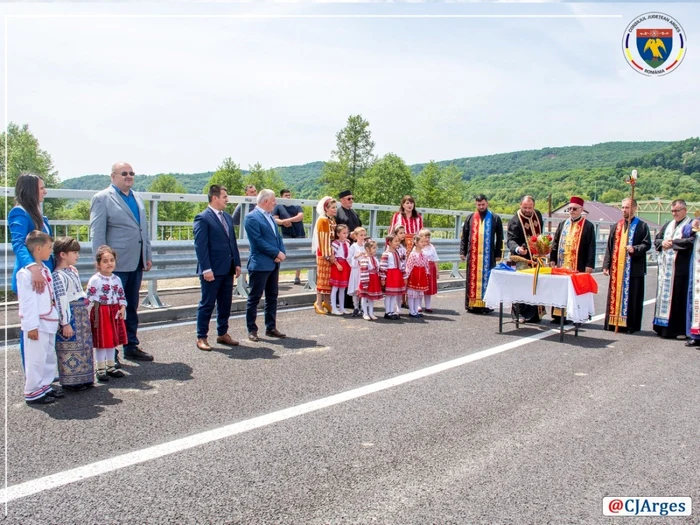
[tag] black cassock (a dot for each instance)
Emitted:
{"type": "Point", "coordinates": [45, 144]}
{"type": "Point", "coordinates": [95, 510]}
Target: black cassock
{"type": "Point", "coordinates": [496, 250]}
{"type": "Point", "coordinates": [679, 293]}
{"type": "Point", "coordinates": [585, 257]}
{"type": "Point", "coordinates": [641, 244]}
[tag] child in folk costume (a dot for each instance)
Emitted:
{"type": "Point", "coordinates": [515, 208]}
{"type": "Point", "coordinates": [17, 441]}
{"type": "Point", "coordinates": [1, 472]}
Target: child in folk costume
{"type": "Point", "coordinates": [392, 276]}
{"type": "Point", "coordinates": [356, 250]}
{"type": "Point", "coordinates": [76, 364]}
{"type": "Point", "coordinates": [400, 232]}
{"type": "Point", "coordinates": [39, 322]}
{"type": "Point", "coordinates": [107, 313]}
{"type": "Point", "coordinates": [418, 269]}
{"type": "Point", "coordinates": [340, 271]}
{"type": "Point", "coordinates": [433, 276]}
{"type": "Point", "coordinates": [370, 289]}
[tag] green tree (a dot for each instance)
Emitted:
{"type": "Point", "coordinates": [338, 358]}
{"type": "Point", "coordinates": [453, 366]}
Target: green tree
{"type": "Point", "coordinates": [255, 176]}
{"type": "Point", "coordinates": [273, 181]}
{"type": "Point", "coordinates": [440, 187]}
{"type": "Point", "coordinates": [428, 191]}
{"type": "Point", "coordinates": [334, 175]}
{"type": "Point", "coordinates": [613, 196]}
{"type": "Point", "coordinates": [171, 210]}
{"type": "Point", "coordinates": [79, 212]}
{"type": "Point", "coordinates": [386, 181]}
{"type": "Point", "coordinates": [262, 178]}
{"type": "Point", "coordinates": [26, 156]}
{"type": "Point", "coordinates": [228, 174]}
{"type": "Point", "coordinates": [353, 156]}
{"type": "Point", "coordinates": [453, 186]}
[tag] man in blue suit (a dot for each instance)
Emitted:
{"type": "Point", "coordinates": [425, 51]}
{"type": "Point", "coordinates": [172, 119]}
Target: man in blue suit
{"type": "Point", "coordinates": [218, 261]}
{"type": "Point", "coordinates": [266, 254]}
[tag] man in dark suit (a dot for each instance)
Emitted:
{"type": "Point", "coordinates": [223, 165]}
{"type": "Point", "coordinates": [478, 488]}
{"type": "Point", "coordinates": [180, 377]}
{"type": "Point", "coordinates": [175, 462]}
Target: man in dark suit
{"type": "Point", "coordinates": [218, 261]}
{"type": "Point", "coordinates": [346, 215]}
{"type": "Point", "coordinates": [266, 254]}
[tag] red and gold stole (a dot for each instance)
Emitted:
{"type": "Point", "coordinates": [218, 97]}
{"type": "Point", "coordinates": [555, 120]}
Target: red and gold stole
{"type": "Point", "coordinates": [531, 226]}
{"type": "Point", "coordinates": [620, 269]}
{"type": "Point", "coordinates": [479, 258]}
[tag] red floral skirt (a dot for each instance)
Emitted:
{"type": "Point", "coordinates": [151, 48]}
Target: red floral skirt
{"type": "Point", "coordinates": [340, 278]}
{"type": "Point", "coordinates": [432, 279]}
{"type": "Point", "coordinates": [394, 284]}
{"type": "Point", "coordinates": [373, 289]}
{"type": "Point", "coordinates": [107, 330]}
{"type": "Point", "coordinates": [418, 280]}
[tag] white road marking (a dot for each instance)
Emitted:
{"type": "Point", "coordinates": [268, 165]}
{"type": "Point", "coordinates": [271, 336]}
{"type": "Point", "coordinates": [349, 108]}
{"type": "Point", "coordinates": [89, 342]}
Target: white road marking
{"type": "Point", "coordinates": [67, 477]}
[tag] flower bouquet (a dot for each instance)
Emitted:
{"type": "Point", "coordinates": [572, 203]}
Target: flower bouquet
{"type": "Point", "coordinates": [540, 247]}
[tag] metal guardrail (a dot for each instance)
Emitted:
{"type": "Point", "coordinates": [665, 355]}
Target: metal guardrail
{"type": "Point", "coordinates": [177, 259]}
{"type": "Point", "coordinates": [173, 259]}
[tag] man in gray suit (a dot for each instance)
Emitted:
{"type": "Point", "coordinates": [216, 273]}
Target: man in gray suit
{"type": "Point", "coordinates": [118, 219]}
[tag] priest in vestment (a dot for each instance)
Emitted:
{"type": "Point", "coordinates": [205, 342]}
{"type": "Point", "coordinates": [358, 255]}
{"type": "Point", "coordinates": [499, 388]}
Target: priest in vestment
{"type": "Point", "coordinates": [674, 272]}
{"type": "Point", "coordinates": [626, 265]}
{"type": "Point", "coordinates": [573, 246]}
{"type": "Point", "coordinates": [692, 327]}
{"type": "Point", "coordinates": [481, 245]}
{"type": "Point", "coordinates": [524, 224]}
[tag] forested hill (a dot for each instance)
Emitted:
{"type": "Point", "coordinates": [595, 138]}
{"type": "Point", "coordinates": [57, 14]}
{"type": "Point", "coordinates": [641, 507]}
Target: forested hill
{"type": "Point", "coordinates": [607, 154]}
{"type": "Point", "coordinates": [193, 182]}
{"type": "Point", "coordinates": [667, 170]}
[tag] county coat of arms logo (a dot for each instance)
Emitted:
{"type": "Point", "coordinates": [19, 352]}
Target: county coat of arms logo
{"type": "Point", "coordinates": [654, 44]}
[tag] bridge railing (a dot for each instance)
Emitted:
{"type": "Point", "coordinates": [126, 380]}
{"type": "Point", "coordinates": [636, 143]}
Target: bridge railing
{"type": "Point", "coordinates": [175, 258]}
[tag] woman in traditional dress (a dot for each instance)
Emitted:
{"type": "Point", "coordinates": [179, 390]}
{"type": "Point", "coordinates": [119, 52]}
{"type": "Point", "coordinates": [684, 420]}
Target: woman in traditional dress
{"type": "Point", "coordinates": [324, 233]}
{"type": "Point", "coordinates": [409, 218]}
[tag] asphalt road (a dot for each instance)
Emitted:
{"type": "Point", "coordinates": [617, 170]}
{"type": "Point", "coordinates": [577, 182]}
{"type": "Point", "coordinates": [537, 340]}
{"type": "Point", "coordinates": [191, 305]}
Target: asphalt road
{"type": "Point", "coordinates": [537, 433]}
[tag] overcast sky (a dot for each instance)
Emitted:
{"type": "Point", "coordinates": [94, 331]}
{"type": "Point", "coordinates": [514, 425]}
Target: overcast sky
{"type": "Point", "coordinates": [181, 94]}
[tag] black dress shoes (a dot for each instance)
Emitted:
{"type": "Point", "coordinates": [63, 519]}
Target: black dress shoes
{"type": "Point", "coordinates": [275, 333]}
{"type": "Point", "coordinates": [134, 353]}
{"type": "Point", "coordinates": [692, 342]}
{"type": "Point", "coordinates": [253, 336]}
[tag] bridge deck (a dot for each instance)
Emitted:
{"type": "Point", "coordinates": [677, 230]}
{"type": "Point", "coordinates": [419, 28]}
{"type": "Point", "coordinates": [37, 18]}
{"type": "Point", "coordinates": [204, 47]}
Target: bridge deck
{"type": "Point", "coordinates": [345, 422]}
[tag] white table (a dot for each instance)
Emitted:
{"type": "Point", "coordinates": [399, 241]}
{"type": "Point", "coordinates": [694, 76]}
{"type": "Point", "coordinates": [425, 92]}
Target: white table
{"type": "Point", "coordinates": [552, 290]}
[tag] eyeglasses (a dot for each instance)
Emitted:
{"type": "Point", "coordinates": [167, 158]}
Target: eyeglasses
{"type": "Point", "coordinates": [574, 208]}
{"type": "Point", "coordinates": [350, 198]}
{"type": "Point", "coordinates": [127, 174]}
{"type": "Point", "coordinates": [678, 210]}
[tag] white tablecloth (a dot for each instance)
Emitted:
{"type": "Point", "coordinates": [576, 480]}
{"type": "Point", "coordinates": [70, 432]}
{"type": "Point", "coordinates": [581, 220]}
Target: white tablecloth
{"type": "Point", "coordinates": [552, 290]}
